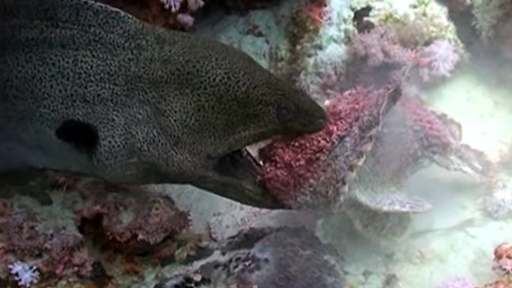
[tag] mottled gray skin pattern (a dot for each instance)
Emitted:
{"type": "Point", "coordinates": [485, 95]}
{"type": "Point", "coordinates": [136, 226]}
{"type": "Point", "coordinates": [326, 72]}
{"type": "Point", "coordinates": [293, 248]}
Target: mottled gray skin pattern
{"type": "Point", "coordinates": [167, 105]}
{"type": "Point", "coordinates": [285, 258]}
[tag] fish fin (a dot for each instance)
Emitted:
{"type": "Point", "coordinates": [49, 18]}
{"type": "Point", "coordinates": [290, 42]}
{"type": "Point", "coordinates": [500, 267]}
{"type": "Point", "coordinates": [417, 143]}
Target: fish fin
{"type": "Point", "coordinates": [393, 201]}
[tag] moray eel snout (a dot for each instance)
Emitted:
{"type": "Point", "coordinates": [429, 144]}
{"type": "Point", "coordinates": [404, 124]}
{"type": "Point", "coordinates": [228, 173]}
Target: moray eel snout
{"type": "Point", "coordinates": [305, 122]}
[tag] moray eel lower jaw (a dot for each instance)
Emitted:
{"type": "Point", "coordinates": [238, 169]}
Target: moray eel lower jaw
{"type": "Point", "coordinates": [236, 177]}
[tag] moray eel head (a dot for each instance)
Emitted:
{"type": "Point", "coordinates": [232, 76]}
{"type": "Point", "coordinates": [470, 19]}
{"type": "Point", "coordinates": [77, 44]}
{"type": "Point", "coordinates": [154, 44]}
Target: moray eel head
{"type": "Point", "coordinates": [255, 106]}
{"type": "Point", "coordinates": [138, 104]}
{"type": "Point", "coordinates": [278, 111]}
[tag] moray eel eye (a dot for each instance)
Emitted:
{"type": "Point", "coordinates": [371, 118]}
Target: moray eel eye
{"type": "Point", "coordinates": [283, 114]}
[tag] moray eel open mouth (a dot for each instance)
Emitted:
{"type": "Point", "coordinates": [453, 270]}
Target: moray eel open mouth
{"type": "Point", "coordinates": [243, 167]}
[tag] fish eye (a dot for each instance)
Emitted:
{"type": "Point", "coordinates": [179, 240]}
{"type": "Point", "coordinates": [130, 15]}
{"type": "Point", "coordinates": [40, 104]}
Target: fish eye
{"type": "Point", "coordinates": [283, 113]}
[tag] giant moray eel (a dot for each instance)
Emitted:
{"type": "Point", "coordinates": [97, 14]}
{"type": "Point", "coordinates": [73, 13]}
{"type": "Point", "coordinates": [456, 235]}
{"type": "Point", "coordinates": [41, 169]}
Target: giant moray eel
{"type": "Point", "coordinates": [86, 88]}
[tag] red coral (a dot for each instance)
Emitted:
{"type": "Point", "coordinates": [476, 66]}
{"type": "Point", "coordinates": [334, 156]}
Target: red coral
{"type": "Point", "coordinates": [23, 235]}
{"type": "Point", "coordinates": [36, 233]}
{"type": "Point", "coordinates": [316, 10]}
{"type": "Point", "coordinates": [130, 221]}
{"type": "Point", "coordinates": [288, 166]}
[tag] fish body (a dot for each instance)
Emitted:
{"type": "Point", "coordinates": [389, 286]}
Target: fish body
{"type": "Point", "coordinates": [89, 89]}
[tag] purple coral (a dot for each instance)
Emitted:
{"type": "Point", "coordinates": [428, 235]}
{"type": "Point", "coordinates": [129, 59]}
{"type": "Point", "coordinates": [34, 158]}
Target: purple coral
{"type": "Point", "coordinates": [181, 10]}
{"type": "Point", "coordinates": [379, 46]}
{"type": "Point", "coordinates": [441, 58]}
{"type": "Point", "coordinates": [456, 282]}
{"type": "Point", "coordinates": [128, 221]}
{"type": "Point", "coordinates": [185, 19]}
{"type": "Point", "coordinates": [52, 236]}
{"type": "Point", "coordinates": [376, 58]}
{"type": "Point", "coordinates": [25, 274]}
{"type": "Point", "coordinates": [174, 5]}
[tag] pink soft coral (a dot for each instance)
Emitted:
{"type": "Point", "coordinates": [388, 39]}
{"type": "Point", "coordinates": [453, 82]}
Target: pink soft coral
{"type": "Point", "coordinates": [438, 60]}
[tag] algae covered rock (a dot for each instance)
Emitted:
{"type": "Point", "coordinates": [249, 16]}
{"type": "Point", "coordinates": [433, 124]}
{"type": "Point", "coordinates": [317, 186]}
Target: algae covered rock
{"type": "Point", "coordinates": [275, 258]}
{"type": "Point", "coordinates": [90, 234]}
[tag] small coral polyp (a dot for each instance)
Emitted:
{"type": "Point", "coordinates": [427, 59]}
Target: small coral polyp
{"type": "Point", "coordinates": [25, 274]}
